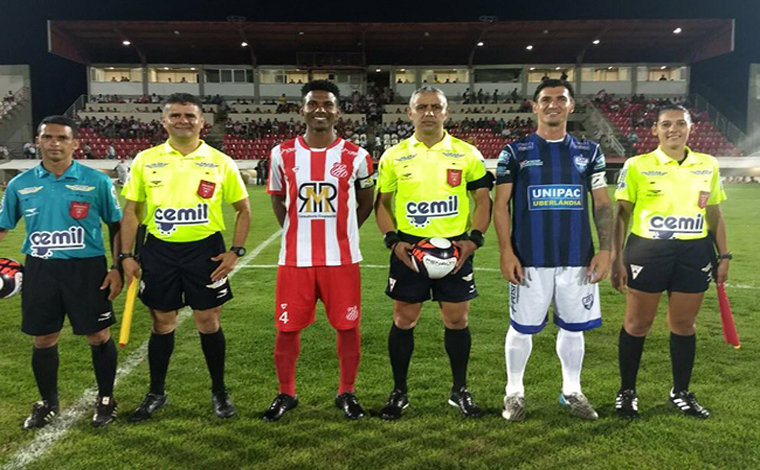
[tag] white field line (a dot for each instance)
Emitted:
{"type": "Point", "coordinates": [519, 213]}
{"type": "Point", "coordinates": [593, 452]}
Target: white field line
{"type": "Point", "coordinates": [368, 266]}
{"type": "Point", "coordinates": [52, 433]}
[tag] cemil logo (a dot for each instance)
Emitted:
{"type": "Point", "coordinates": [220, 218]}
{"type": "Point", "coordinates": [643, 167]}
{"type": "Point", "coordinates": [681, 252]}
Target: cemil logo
{"type": "Point", "coordinates": [317, 199]}
{"type": "Point", "coordinates": [44, 243]}
{"type": "Point", "coordinates": [167, 219]}
{"type": "Point", "coordinates": [420, 213]}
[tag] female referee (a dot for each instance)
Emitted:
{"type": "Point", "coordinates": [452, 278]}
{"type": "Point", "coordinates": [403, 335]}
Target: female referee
{"type": "Point", "coordinates": [672, 197]}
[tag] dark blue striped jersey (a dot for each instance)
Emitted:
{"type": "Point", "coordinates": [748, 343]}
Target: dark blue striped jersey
{"type": "Point", "coordinates": [550, 205]}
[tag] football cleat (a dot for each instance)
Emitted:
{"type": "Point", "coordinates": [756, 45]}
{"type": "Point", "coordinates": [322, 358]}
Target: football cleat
{"type": "Point", "coordinates": [282, 403]}
{"type": "Point", "coordinates": [150, 404]}
{"type": "Point", "coordinates": [105, 411]}
{"type": "Point", "coordinates": [627, 404]}
{"type": "Point", "coordinates": [42, 413]}
{"type": "Point", "coordinates": [397, 401]}
{"type": "Point", "coordinates": [223, 406]}
{"type": "Point", "coordinates": [688, 405]}
{"type": "Point", "coordinates": [350, 405]}
{"type": "Point", "coordinates": [579, 406]}
{"type": "Point", "coordinates": [462, 399]}
{"type": "Point", "coordinates": [514, 408]}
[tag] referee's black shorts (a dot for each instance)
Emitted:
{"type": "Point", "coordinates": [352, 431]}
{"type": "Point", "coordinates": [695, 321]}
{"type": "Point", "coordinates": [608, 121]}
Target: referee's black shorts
{"type": "Point", "coordinates": [669, 265]}
{"type": "Point", "coordinates": [179, 274]}
{"type": "Point", "coordinates": [407, 285]}
{"type": "Point", "coordinates": [55, 288]}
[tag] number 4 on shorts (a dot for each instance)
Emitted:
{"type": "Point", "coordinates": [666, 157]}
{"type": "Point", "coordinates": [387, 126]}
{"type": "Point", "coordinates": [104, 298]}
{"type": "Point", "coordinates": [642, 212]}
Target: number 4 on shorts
{"type": "Point", "coordinates": [284, 317]}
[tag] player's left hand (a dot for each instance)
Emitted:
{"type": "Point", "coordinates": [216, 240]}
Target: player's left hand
{"type": "Point", "coordinates": [466, 249]}
{"type": "Point", "coordinates": [722, 273]}
{"type": "Point", "coordinates": [113, 281]}
{"type": "Point", "coordinates": [228, 262]}
{"type": "Point", "coordinates": [599, 267]}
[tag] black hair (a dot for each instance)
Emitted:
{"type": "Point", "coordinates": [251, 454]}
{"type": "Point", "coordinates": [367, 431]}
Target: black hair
{"type": "Point", "coordinates": [551, 83]}
{"type": "Point", "coordinates": [62, 121]}
{"type": "Point", "coordinates": [184, 98]}
{"type": "Point", "coordinates": [321, 85]}
{"type": "Point", "coordinates": [673, 107]}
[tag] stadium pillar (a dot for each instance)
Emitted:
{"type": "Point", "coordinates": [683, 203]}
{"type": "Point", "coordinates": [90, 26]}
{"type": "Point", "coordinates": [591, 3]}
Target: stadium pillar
{"type": "Point", "coordinates": [578, 79]}
{"type": "Point", "coordinates": [418, 77]}
{"type": "Point", "coordinates": [634, 79]}
{"type": "Point", "coordinates": [524, 82]}
{"type": "Point", "coordinates": [144, 71]}
{"type": "Point", "coordinates": [256, 86]}
{"type": "Point", "coordinates": [201, 81]}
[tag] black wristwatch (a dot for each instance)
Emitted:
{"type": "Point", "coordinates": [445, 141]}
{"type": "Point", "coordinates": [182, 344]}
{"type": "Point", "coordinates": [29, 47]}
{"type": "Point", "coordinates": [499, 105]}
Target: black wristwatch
{"type": "Point", "coordinates": [238, 250]}
{"type": "Point", "coordinates": [476, 236]}
{"type": "Point", "coordinates": [729, 256]}
{"type": "Point", "coordinates": [123, 256]}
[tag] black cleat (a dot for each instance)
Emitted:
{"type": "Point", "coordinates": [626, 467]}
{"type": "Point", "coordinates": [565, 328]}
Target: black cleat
{"type": "Point", "coordinates": [282, 404]}
{"type": "Point", "coordinates": [627, 404]}
{"type": "Point", "coordinates": [395, 404]}
{"type": "Point", "coordinates": [462, 399]}
{"type": "Point", "coordinates": [150, 404]}
{"type": "Point", "coordinates": [223, 406]}
{"type": "Point", "coordinates": [105, 411]}
{"type": "Point", "coordinates": [688, 405]}
{"type": "Point", "coordinates": [350, 405]}
{"type": "Point", "coordinates": [42, 413]}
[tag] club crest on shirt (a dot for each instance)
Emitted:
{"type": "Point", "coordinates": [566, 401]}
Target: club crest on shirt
{"type": "Point", "coordinates": [703, 197]}
{"type": "Point", "coordinates": [339, 170]}
{"type": "Point", "coordinates": [588, 301]}
{"type": "Point", "coordinates": [79, 210]}
{"type": "Point", "coordinates": [580, 162]}
{"type": "Point", "coordinates": [454, 177]}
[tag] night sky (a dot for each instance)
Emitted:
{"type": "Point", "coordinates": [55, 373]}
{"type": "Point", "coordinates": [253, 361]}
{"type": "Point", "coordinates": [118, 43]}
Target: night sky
{"type": "Point", "coordinates": [56, 82]}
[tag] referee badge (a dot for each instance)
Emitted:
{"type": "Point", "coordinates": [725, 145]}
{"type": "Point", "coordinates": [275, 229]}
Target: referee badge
{"type": "Point", "coordinates": [703, 197]}
{"type": "Point", "coordinates": [454, 177]}
{"type": "Point", "coordinates": [206, 189]}
{"type": "Point", "coordinates": [79, 210]}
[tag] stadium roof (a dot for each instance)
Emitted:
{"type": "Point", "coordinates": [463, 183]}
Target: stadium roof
{"type": "Point", "coordinates": [336, 45]}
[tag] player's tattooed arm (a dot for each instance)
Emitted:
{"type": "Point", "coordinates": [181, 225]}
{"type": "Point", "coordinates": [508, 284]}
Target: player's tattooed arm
{"type": "Point", "coordinates": [603, 217]}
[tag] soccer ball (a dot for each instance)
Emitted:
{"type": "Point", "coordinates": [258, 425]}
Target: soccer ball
{"type": "Point", "coordinates": [435, 257]}
{"type": "Point", "coordinates": [11, 277]}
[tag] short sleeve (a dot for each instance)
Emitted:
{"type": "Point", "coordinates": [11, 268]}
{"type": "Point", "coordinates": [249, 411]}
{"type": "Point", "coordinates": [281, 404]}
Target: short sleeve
{"type": "Point", "coordinates": [717, 194]}
{"type": "Point", "coordinates": [109, 203]}
{"type": "Point", "coordinates": [597, 170]}
{"type": "Point", "coordinates": [134, 190]}
{"type": "Point", "coordinates": [364, 171]}
{"type": "Point", "coordinates": [9, 208]}
{"type": "Point", "coordinates": [233, 186]}
{"type": "Point", "coordinates": [387, 181]}
{"type": "Point", "coordinates": [476, 168]}
{"type": "Point", "coordinates": [276, 183]}
{"type": "Point", "coordinates": [506, 166]}
{"type": "Point", "coordinates": [626, 186]}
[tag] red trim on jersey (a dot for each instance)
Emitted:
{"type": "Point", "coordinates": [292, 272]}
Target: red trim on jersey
{"type": "Point", "coordinates": [341, 228]}
{"type": "Point", "coordinates": [288, 153]}
{"type": "Point", "coordinates": [318, 235]}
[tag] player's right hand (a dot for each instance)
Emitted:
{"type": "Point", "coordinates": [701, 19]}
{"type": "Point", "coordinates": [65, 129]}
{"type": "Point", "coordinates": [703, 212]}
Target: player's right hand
{"type": "Point", "coordinates": [403, 251]}
{"type": "Point", "coordinates": [131, 270]}
{"type": "Point", "coordinates": [619, 276]}
{"type": "Point", "coordinates": [511, 268]}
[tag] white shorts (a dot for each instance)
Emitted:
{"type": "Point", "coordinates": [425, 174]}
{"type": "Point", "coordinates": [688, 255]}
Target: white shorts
{"type": "Point", "coordinates": [576, 301]}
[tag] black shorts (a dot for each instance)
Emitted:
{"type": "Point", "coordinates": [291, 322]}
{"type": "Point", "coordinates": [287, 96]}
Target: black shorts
{"type": "Point", "coordinates": [409, 286]}
{"type": "Point", "coordinates": [179, 274]}
{"type": "Point", "coordinates": [56, 288]}
{"type": "Point", "coordinates": [669, 265]}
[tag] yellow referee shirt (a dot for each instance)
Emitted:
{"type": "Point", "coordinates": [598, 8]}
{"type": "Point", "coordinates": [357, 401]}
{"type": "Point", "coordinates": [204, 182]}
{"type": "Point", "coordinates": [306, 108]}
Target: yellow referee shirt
{"type": "Point", "coordinates": [184, 194]}
{"type": "Point", "coordinates": [431, 185]}
{"type": "Point", "coordinates": [670, 198]}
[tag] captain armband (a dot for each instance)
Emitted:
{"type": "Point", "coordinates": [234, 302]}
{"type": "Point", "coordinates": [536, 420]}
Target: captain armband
{"type": "Point", "coordinates": [598, 180]}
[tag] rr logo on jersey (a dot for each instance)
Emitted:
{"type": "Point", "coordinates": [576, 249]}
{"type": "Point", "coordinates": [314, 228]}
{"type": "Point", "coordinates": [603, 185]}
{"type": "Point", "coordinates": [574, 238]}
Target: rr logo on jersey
{"type": "Point", "coordinates": [79, 210]}
{"type": "Point", "coordinates": [339, 170]}
{"type": "Point", "coordinates": [454, 177]}
{"type": "Point", "coordinates": [703, 197]}
{"type": "Point", "coordinates": [317, 198]}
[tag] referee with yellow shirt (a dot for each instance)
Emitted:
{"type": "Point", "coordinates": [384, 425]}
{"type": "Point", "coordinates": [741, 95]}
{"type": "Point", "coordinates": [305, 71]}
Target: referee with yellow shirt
{"type": "Point", "coordinates": [180, 186]}
{"type": "Point", "coordinates": [430, 175]}
{"type": "Point", "coordinates": [672, 196]}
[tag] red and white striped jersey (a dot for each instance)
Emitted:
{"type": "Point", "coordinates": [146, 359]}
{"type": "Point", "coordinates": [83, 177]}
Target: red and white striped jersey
{"type": "Point", "coordinates": [319, 186]}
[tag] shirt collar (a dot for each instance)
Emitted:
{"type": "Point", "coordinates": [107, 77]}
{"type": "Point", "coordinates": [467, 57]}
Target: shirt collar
{"type": "Point", "coordinates": [444, 144]}
{"type": "Point", "coordinates": [203, 150]}
{"type": "Point", "coordinates": [73, 172]}
{"type": "Point", "coordinates": [663, 159]}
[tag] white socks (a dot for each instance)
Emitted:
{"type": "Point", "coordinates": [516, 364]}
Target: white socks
{"type": "Point", "coordinates": [517, 348]}
{"type": "Point", "coordinates": [570, 349]}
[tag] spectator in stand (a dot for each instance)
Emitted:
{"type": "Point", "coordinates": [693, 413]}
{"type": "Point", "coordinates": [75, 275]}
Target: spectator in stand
{"type": "Point", "coordinates": [30, 151]}
{"type": "Point", "coordinates": [633, 137]}
{"type": "Point", "coordinates": [110, 152]}
{"type": "Point", "coordinates": [663, 78]}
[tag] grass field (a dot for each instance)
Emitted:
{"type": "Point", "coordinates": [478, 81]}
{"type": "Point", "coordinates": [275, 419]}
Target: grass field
{"type": "Point", "coordinates": [432, 434]}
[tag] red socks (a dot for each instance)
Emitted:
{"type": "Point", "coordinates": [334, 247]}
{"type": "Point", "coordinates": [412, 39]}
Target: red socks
{"type": "Point", "coordinates": [287, 347]}
{"type": "Point", "coordinates": [349, 355]}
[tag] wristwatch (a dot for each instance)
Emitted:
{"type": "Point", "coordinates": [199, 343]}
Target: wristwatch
{"type": "Point", "coordinates": [123, 256]}
{"type": "Point", "coordinates": [728, 256]}
{"type": "Point", "coordinates": [238, 250]}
